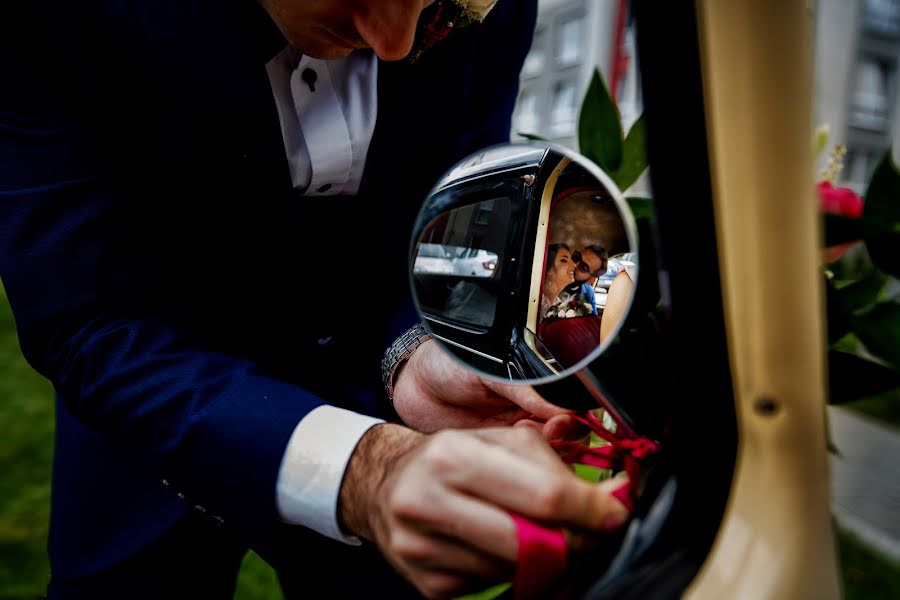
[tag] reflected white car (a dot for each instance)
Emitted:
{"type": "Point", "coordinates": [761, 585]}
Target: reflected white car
{"type": "Point", "coordinates": [475, 262]}
{"type": "Point", "coordinates": [440, 259]}
{"type": "Point", "coordinates": [433, 258]}
{"type": "Point", "coordinates": [613, 267]}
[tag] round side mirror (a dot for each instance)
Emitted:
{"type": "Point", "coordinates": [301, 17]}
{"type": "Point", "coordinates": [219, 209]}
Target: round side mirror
{"type": "Point", "coordinates": [524, 262]}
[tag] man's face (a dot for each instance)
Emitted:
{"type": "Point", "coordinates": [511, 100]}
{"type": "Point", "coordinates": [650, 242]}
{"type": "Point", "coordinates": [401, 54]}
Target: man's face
{"type": "Point", "coordinates": [590, 265]}
{"type": "Point", "coordinates": [328, 29]}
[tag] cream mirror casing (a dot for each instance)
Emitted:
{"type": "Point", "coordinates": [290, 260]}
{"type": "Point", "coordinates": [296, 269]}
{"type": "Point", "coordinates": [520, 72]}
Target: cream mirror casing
{"type": "Point", "coordinates": [776, 540]}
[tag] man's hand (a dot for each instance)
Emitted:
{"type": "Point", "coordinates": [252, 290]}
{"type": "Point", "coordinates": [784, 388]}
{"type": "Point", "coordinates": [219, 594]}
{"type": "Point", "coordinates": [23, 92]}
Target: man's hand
{"type": "Point", "coordinates": [432, 391]}
{"type": "Point", "coordinates": [438, 506]}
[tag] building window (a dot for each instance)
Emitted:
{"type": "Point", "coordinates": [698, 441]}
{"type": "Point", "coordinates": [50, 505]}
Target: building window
{"type": "Point", "coordinates": [856, 170]}
{"type": "Point", "coordinates": [569, 40]}
{"type": "Point", "coordinates": [563, 108]}
{"type": "Point", "coordinates": [882, 16]}
{"type": "Point", "coordinates": [527, 119]}
{"type": "Point", "coordinates": [534, 62]}
{"type": "Point", "coordinates": [869, 103]}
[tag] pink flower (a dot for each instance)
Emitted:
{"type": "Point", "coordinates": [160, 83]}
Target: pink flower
{"type": "Point", "coordinates": [839, 201]}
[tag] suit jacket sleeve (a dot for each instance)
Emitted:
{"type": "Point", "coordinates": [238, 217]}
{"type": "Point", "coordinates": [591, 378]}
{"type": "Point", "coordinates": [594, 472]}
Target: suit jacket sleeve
{"type": "Point", "coordinates": [214, 423]}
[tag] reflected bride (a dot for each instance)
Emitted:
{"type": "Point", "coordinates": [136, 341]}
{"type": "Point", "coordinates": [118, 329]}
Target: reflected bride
{"type": "Point", "coordinates": [559, 273]}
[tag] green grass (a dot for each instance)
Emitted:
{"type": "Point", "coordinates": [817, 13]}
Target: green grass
{"type": "Point", "coordinates": [26, 453]}
{"type": "Point", "coordinates": [257, 580]}
{"type": "Point", "coordinates": [26, 420]}
{"type": "Point", "coordinates": [865, 574]}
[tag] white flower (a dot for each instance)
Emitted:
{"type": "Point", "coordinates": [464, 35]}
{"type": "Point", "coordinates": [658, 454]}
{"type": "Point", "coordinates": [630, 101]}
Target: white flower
{"type": "Point", "coordinates": [561, 314]}
{"type": "Point", "coordinates": [570, 313]}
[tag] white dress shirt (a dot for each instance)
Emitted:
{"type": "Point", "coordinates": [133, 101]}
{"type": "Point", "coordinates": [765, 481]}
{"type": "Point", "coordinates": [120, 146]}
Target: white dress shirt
{"type": "Point", "coordinates": [327, 111]}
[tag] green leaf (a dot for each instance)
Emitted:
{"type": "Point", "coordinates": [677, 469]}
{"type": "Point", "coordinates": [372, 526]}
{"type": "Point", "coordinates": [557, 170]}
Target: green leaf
{"type": "Point", "coordinates": [532, 136]}
{"type": "Point", "coordinates": [882, 205]}
{"type": "Point", "coordinates": [852, 377]}
{"type": "Point", "coordinates": [849, 344]}
{"type": "Point", "coordinates": [599, 128]}
{"type": "Point", "coordinates": [844, 299]}
{"type": "Point", "coordinates": [882, 197]}
{"type": "Point", "coordinates": [634, 156]}
{"type": "Point", "coordinates": [879, 330]}
{"type": "Point", "coordinates": [641, 208]}
{"type": "Point", "coordinates": [860, 295]}
{"type": "Point", "coordinates": [838, 322]}
{"type": "Point", "coordinates": [855, 264]}
{"type": "Point", "coordinates": [885, 407]}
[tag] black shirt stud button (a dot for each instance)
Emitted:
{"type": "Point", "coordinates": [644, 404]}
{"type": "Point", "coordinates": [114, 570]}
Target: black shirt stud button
{"type": "Point", "coordinates": [309, 78]}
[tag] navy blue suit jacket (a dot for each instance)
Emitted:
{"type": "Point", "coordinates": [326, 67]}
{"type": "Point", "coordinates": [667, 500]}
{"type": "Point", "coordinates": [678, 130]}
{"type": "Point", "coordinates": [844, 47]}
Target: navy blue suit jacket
{"type": "Point", "coordinates": [187, 305]}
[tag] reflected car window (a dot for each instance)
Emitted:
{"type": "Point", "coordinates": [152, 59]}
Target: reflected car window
{"type": "Point", "coordinates": [459, 259]}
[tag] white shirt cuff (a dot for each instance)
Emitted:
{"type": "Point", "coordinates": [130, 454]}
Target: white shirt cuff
{"type": "Point", "coordinates": [313, 467]}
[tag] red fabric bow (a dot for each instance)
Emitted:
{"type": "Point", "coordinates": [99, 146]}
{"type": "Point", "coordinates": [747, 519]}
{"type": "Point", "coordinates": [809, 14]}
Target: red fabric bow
{"type": "Point", "coordinates": [623, 451]}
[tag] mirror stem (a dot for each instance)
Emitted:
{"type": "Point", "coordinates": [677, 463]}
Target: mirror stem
{"type": "Point", "coordinates": [593, 387]}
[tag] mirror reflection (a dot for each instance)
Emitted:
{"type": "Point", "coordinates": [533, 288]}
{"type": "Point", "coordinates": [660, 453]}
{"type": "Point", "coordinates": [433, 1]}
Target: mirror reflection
{"type": "Point", "coordinates": [524, 261]}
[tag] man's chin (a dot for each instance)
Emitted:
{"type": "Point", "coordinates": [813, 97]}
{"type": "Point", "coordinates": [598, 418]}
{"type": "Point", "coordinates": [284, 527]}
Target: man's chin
{"type": "Point", "coordinates": [322, 44]}
{"type": "Point", "coordinates": [321, 51]}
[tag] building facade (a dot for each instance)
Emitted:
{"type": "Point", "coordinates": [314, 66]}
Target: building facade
{"type": "Point", "coordinates": [572, 39]}
{"type": "Point", "coordinates": [856, 48]}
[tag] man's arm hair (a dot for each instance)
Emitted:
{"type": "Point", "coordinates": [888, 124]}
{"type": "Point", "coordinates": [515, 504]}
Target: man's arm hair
{"type": "Point", "coordinates": [376, 456]}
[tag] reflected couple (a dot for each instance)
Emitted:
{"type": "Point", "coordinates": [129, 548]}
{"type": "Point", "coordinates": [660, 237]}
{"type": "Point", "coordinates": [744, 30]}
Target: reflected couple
{"type": "Point", "coordinates": [569, 280]}
{"type": "Point", "coordinates": [570, 322]}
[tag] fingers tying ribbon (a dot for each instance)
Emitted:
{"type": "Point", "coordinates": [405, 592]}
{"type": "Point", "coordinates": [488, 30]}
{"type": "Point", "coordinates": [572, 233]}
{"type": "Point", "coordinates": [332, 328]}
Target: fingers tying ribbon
{"type": "Point", "coordinates": [543, 554]}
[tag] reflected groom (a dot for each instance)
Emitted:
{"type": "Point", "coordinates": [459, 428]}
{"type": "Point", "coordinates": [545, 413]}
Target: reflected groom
{"type": "Point", "coordinates": [590, 263]}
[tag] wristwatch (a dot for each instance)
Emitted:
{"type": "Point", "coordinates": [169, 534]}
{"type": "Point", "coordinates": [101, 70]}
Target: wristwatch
{"type": "Point", "coordinates": [399, 351]}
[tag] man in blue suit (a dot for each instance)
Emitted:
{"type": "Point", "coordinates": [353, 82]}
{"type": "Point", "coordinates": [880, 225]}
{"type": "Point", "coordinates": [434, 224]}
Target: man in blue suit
{"type": "Point", "coordinates": [170, 242]}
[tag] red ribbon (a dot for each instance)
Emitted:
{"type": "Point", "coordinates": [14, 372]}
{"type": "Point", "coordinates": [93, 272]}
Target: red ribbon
{"type": "Point", "coordinates": [542, 551]}
{"type": "Point", "coordinates": [541, 557]}
{"type": "Point", "coordinates": [624, 451]}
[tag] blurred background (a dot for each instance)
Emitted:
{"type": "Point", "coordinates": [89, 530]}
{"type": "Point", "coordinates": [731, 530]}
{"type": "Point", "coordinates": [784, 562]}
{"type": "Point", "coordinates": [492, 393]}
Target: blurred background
{"type": "Point", "coordinates": [856, 47]}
